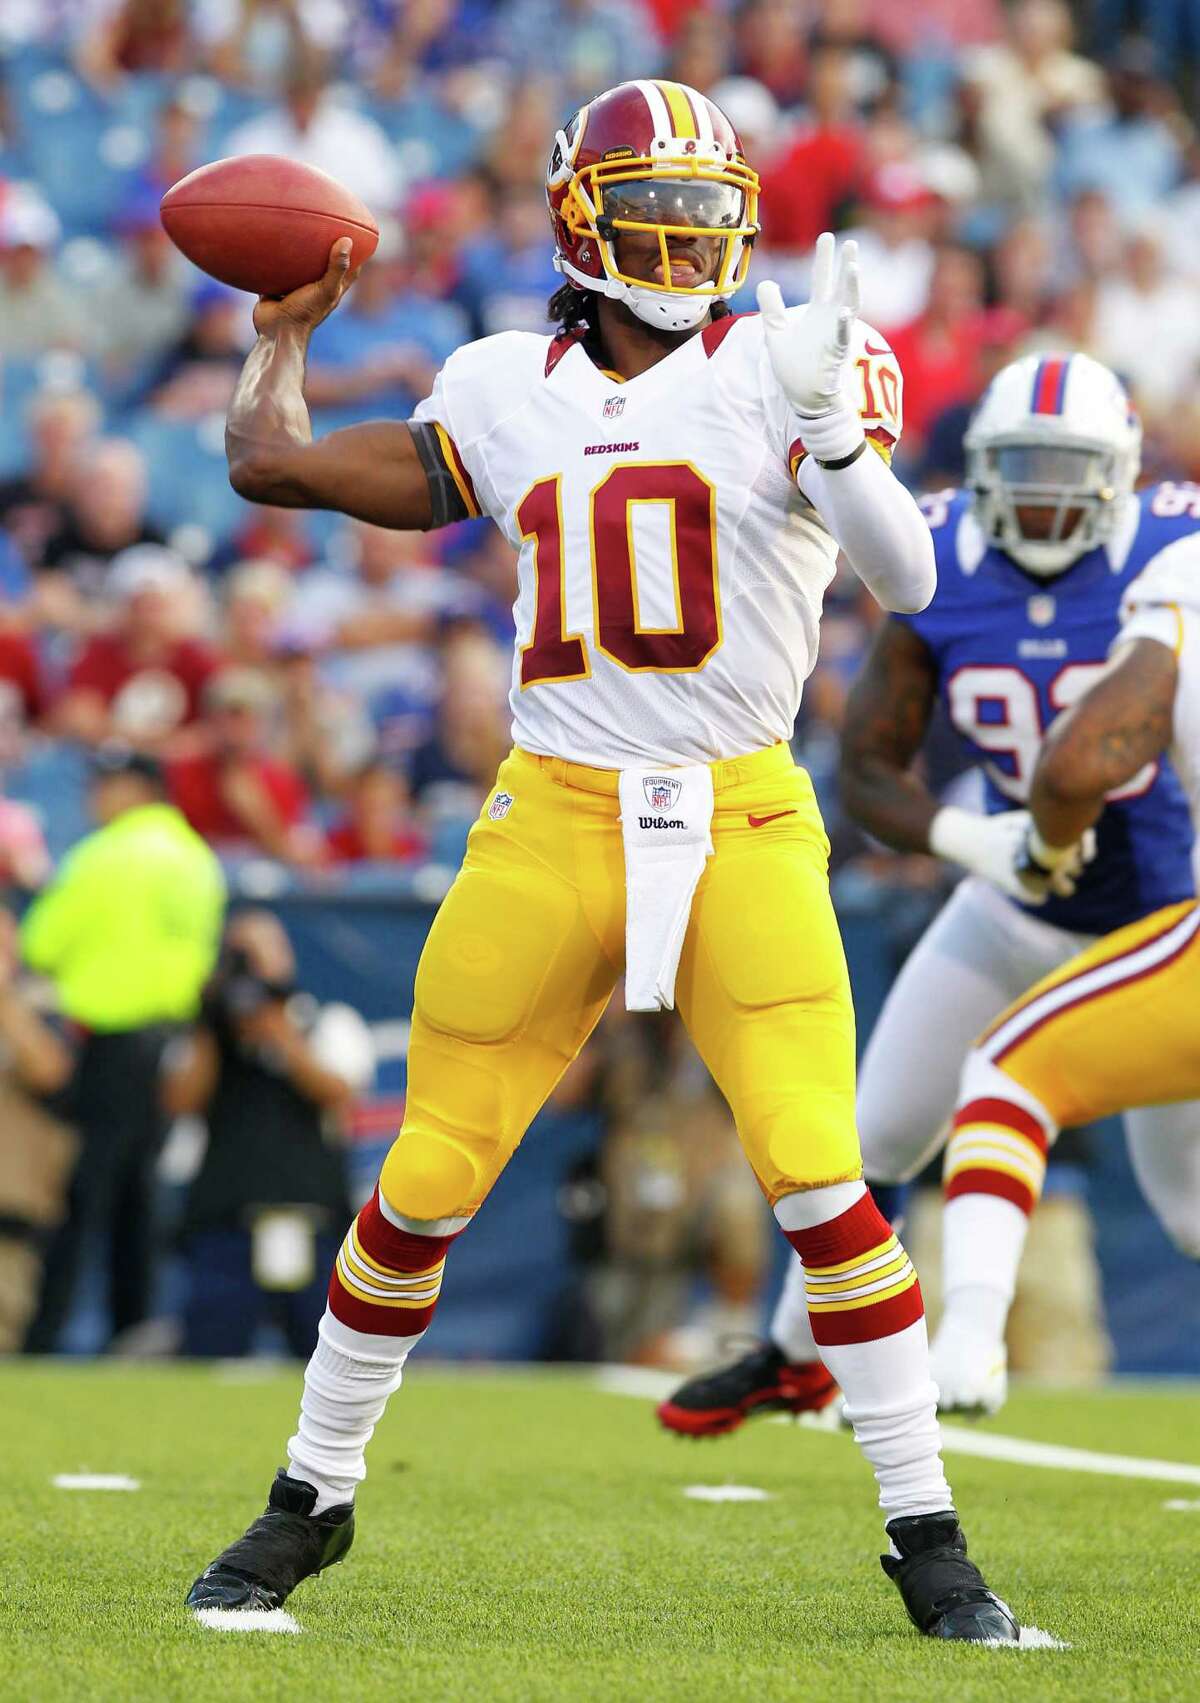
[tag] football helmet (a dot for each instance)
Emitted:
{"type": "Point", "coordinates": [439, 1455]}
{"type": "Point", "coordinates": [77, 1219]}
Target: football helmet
{"type": "Point", "coordinates": [651, 156]}
{"type": "Point", "coordinates": [1054, 436]}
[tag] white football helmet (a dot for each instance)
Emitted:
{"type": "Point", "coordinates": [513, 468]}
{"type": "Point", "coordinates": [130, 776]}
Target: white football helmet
{"type": "Point", "coordinates": [1052, 450]}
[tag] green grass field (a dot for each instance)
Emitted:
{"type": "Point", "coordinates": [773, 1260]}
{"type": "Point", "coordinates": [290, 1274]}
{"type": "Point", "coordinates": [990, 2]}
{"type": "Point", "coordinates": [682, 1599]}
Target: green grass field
{"type": "Point", "coordinates": [525, 1536]}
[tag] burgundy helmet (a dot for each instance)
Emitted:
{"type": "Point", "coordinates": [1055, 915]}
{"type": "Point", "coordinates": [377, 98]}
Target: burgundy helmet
{"type": "Point", "coordinates": [652, 156]}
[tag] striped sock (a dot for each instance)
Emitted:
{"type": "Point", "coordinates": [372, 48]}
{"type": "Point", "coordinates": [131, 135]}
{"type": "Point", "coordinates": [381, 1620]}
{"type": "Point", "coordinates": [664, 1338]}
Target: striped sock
{"type": "Point", "coordinates": [996, 1147]}
{"type": "Point", "coordinates": [864, 1304]}
{"type": "Point", "coordinates": [382, 1295]}
{"type": "Point", "coordinates": [386, 1280]}
{"type": "Point", "coordinates": [859, 1281]}
{"type": "Point", "coordinates": [994, 1170]}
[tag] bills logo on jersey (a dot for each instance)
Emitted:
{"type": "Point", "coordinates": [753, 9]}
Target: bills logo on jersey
{"type": "Point", "coordinates": [614, 407]}
{"type": "Point", "coordinates": [1041, 609]}
{"type": "Point", "coordinates": [661, 791]}
{"type": "Point", "coordinates": [500, 805]}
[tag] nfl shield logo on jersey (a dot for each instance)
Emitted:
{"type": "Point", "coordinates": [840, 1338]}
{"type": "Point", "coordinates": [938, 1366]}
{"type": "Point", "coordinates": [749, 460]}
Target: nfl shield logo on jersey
{"type": "Point", "coordinates": [613, 407]}
{"type": "Point", "coordinates": [1041, 609]}
{"type": "Point", "coordinates": [661, 791]}
{"type": "Point", "coordinates": [500, 805]}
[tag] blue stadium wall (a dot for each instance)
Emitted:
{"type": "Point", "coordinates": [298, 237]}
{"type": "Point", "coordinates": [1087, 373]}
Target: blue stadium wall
{"type": "Point", "coordinates": [363, 948]}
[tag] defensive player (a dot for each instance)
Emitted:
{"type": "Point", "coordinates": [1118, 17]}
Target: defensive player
{"type": "Point", "coordinates": [1033, 560]}
{"type": "Point", "coordinates": [678, 483]}
{"type": "Point", "coordinates": [1117, 1024]}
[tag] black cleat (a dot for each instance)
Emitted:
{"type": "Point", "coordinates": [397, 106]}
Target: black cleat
{"type": "Point", "coordinates": [760, 1382]}
{"type": "Point", "coordinates": [943, 1592]}
{"type": "Point", "coordinates": [284, 1545]}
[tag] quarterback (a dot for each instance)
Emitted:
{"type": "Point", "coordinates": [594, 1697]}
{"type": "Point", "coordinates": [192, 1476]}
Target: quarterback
{"type": "Point", "coordinates": [1033, 562]}
{"type": "Point", "coordinates": [678, 483]}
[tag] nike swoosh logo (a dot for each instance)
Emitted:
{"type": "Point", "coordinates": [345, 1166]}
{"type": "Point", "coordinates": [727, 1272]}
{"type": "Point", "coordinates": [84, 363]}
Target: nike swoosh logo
{"type": "Point", "coordinates": [870, 351]}
{"type": "Point", "coordinates": [761, 821]}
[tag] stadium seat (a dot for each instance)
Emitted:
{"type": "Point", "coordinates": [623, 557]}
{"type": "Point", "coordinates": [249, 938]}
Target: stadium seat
{"type": "Point", "coordinates": [189, 478]}
{"type": "Point", "coordinates": [53, 782]}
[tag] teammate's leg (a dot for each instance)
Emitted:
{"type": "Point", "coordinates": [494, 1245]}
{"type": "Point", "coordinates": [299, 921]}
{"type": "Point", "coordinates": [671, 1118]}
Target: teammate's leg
{"type": "Point", "coordinates": [977, 955]}
{"type": "Point", "coordinates": [764, 991]}
{"type": "Point", "coordinates": [1086, 1042]}
{"type": "Point", "coordinates": [517, 969]}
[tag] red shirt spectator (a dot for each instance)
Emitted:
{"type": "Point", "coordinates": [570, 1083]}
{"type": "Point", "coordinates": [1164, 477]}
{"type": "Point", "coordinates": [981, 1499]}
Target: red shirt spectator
{"type": "Point", "coordinates": [345, 844]}
{"type": "Point", "coordinates": [21, 690]}
{"type": "Point", "coordinates": [199, 786]}
{"type": "Point", "coordinates": [142, 681]}
{"type": "Point", "coordinates": [232, 790]}
{"type": "Point", "coordinates": [376, 828]}
{"type": "Point", "coordinates": [802, 187]}
{"type": "Point", "coordinates": [939, 351]}
{"type": "Point", "coordinates": [167, 687]}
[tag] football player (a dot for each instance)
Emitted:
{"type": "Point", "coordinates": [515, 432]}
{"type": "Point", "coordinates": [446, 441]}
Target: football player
{"type": "Point", "coordinates": [1116, 1026]}
{"type": "Point", "coordinates": [1033, 560]}
{"type": "Point", "coordinates": [678, 482]}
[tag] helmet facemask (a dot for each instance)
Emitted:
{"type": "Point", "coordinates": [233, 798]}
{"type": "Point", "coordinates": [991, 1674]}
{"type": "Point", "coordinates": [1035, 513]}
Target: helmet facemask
{"type": "Point", "coordinates": [684, 193]}
{"type": "Point", "coordinates": [1046, 501]}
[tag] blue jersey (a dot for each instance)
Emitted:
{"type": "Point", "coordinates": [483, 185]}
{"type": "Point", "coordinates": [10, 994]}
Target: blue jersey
{"type": "Point", "coordinates": [1012, 651]}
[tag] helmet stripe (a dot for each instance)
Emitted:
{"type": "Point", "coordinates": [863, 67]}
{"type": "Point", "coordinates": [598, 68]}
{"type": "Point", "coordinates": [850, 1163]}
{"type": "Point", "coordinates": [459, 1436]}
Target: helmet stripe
{"type": "Point", "coordinates": [683, 119]}
{"type": "Point", "coordinates": [660, 117]}
{"type": "Point", "coordinates": [704, 123]}
{"type": "Point", "coordinates": [1050, 384]}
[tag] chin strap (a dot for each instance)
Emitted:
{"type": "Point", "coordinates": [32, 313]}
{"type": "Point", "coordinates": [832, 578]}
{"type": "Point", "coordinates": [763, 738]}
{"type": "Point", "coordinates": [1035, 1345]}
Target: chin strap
{"type": "Point", "coordinates": [667, 310]}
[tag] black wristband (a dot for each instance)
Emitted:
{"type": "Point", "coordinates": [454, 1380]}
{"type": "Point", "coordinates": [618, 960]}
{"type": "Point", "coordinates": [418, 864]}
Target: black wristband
{"type": "Point", "coordinates": [844, 460]}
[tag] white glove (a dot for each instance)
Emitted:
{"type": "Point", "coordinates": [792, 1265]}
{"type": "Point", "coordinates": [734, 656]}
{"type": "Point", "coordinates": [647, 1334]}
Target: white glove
{"type": "Point", "coordinates": [1059, 867]}
{"type": "Point", "coordinates": [809, 349]}
{"type": "Point", "coordinates": [998, 849]}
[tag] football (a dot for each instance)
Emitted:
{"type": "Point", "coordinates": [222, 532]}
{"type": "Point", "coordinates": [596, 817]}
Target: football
{"type": "Point", "coordinates": [264, 223]}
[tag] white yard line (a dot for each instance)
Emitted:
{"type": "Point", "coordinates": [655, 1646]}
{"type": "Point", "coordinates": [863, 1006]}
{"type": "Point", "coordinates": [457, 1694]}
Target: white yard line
{"type": "Point", "coordinates": [247, 1620]}
{"type": "Point", "coordinates": [646, 1383]}
{"type": "Point", "coordinates": [990, 1445]}
{"type": "Point", "coordinates": [95, 1481]}
{"type": "Point", "coordinates": [725, 1493]}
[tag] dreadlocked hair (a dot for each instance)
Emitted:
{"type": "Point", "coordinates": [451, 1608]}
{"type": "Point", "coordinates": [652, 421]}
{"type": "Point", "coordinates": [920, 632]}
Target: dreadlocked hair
{"type": "Point", "coordinates": [572, 309]}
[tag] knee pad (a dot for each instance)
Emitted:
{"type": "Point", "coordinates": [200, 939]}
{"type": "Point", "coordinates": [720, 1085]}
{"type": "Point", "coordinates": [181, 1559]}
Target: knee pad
{"type": "Point", "coordinates": [428, 1175]}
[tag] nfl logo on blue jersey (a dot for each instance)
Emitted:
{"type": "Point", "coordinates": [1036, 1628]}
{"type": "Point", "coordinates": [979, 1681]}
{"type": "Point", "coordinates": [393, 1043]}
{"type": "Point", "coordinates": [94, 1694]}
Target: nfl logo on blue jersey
{"type": "Point", "coordinates": [613, 406]}
{"type": "Point", "coordinates": [661, 791]}
{"type": "Point", "coordinates": [1041, 609]}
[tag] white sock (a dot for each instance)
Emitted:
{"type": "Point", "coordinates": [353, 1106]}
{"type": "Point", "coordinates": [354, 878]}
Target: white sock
{"type": "Point", "coordinates": [791, 1330]}
{"type": "Point", "coordinates": [983, 1237]}
{"type": "Point", "coordinates": [891, 1400]}
{"type": "Point", "coordinates": [346, 1386]}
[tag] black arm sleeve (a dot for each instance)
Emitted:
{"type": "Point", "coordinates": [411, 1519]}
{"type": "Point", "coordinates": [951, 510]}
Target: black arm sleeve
{"type": "Point", "coordinates": [444, 494]}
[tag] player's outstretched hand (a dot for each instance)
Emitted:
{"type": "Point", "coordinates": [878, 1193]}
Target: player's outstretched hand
{"type": "Point", "coordinates": [1050, 869]}
{"type": "Point", "coordinates": [809, 346]}
{"type": "Point", "coordinates": [311, 303]}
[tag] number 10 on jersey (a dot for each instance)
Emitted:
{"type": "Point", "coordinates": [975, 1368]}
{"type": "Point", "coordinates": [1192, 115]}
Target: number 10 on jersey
{"type": "Point", "coordinates": [620, 634]}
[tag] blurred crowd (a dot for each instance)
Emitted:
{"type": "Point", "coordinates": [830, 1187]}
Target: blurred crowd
{"type": "Point", "coordinates": [322, 693]}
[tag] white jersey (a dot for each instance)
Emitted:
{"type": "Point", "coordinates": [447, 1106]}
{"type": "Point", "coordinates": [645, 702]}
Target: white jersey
{"type": "Point", "coordinates": [1163, 603]}
{"type": "Point", "coordinates": [671, 574]}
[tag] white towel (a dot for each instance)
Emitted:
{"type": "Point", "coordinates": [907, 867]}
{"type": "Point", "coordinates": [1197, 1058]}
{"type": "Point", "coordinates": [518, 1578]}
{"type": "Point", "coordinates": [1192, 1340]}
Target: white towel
{"type": "Point", "coordinates": [666, 823]}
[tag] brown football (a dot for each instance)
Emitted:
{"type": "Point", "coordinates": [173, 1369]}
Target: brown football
{"type": "Point", "coordinates": [264, 223]}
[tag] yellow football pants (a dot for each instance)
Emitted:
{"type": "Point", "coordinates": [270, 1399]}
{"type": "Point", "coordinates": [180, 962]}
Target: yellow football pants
{"type": "Point", "coordinates": [1118, 1026]}
{"type": "Point", "coordinates": [524, 953]}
